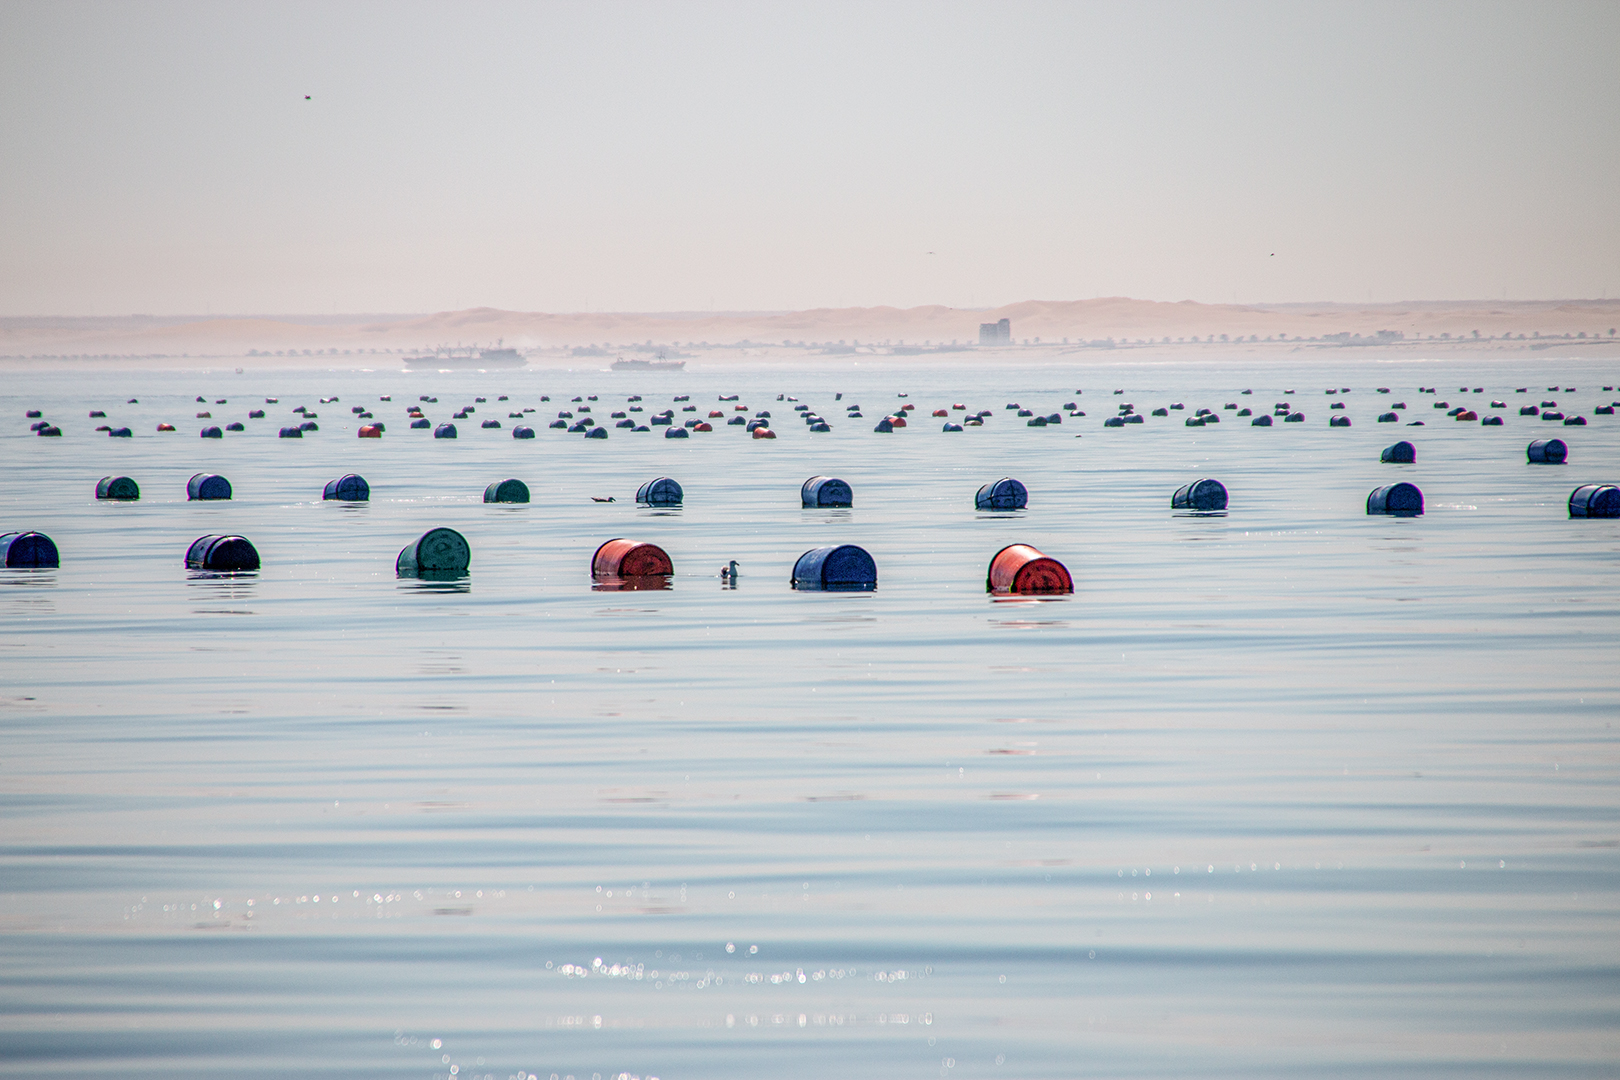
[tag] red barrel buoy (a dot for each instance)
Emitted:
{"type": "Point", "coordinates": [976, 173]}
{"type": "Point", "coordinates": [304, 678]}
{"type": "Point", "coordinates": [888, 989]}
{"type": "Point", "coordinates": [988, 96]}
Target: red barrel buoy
{"type": "Point", "coordinates": [1022, 569]}
{"type": "Point", "coordinates": [630, 559]}
{"type": "Point", "coordinates": [371, 431]}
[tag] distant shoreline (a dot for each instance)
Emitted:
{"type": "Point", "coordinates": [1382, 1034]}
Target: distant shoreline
{"type": "Point", "coordinates": [1072, 328]}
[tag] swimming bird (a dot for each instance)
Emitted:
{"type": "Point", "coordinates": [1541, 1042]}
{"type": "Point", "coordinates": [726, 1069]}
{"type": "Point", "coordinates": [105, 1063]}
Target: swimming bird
{"type": "Point", "coordinates": [729, 572]}
{"type": "Point", "coordinates": [598, 498]}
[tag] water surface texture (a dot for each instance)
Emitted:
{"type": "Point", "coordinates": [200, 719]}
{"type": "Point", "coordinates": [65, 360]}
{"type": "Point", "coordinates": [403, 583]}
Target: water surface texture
{"type": "Point", "coordinates": [1289, 791]}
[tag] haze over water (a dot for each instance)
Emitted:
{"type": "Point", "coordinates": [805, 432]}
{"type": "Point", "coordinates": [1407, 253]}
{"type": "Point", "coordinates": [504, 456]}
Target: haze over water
{"type": "Point", "coordinates": [1292, 791]}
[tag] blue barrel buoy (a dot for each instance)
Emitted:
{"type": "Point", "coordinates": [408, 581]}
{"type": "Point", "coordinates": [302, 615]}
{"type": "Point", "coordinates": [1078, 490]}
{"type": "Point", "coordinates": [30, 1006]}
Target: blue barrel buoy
{"type": "Point", "coordinates": [522, 432]}
{"type": "Point", "coordinates": [255, 414]}
{"type": "Point", "coordinates": [1202, 495]}
{"type": "Point", "coordinates": [208, 486]}
{"type": "Point", "coordinates": [421, 422]}
{"type": "Point", "coordinates": [1595, 501]}
{"type": "Point", "coordinates": [236, 425]}
{"type": "Point", "coordinates": [120, 433]}
{"type": "Point", "coordinates": [601, 433]}
{"type": "Point", "coordinates": [436, 553]}
{"type": "Point", "coordinates": [1491, 421]}
{"type": "Point", "coordinates": [826, 491]}
{"type": "Point", "coordinates": [1402, 453]}
{"type": "Point", "coordinates": [33, 414]}
{"type": "Point", "coordinates": [841, 568]}
{"type": "Point", "coordinates": [212, 433]}
{"type": "Point", "coordinates": [445, 431]}
{"type": "Point", "coordinates": [490, 424]}
{"type": "Point", "coordinates": [884, 425]}
{"type": "Point", "coordinates": [677, 433]}
{"type": "Point", "coordinates": [121, 488]}
{"type": "Point", "coordinates": [292, 433]}
{"type": "Point", "coordinates": [22, 550]}
{"type": "Point", "coordinates": [226, 554]}
{"type": "Point", "coordinates": [507, 491]}
{"type": "Point", "coordinates": [1114, 421]}
{"type": "Point", "coordinates": [1003, 494]}
{"type": "Point", "coordinates": [1263, 420]}
{"type": "Point", "coordinates": [349, 487]}
{"type": "Point", "coordinates": [660, 492]}
{"type": "Point", "coordinates": [1398, 500]}
{"type": "Point", "coordinates": [309, 425]}
{"type": "Point", "coordinates": [1339, 421]}
{"type": "Point", "coordinates": [1547, 452]}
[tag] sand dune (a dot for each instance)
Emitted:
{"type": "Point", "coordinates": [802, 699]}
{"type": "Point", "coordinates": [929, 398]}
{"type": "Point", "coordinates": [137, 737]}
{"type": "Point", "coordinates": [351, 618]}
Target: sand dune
{"type": "Point", "coordinates": [1050, 321]}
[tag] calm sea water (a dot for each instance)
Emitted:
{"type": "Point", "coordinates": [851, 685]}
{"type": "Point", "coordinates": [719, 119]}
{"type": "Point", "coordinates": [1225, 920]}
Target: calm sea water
{"type": "Point", "coordinates": [1294, 791]}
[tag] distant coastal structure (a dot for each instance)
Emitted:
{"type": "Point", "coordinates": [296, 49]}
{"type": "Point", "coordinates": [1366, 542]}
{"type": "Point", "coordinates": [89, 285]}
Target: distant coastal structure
{"type": "Point", "coordinates": [996, 333]}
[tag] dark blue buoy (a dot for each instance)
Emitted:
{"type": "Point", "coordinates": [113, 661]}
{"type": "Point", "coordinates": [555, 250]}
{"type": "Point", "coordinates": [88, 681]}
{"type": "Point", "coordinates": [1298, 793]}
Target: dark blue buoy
{"type": "Point", "coordinates": [236, 425]}
{"type": "Point", "coordinates": [523, 432]}
{"type": "Point", "coordinates": [309, 425]}
{"type": "Point", "coordinates": [1397, 500]}
{"type": "Point", "coordinates": [507, 491]}
{"type": "Point", "coordinates": [1547, 452]}
{"type": "Point", "coordinates": [884, 426]}
{"type": "Point", "coordinates": [225, 554]}
{"type": "Point", "coordinates": [445, 431]}
{"type": "Point", "coordinates": [1003, 494]}
{"type": "Point", "coordinates": [23, 550]}
{"type": "Point", "coordinates": [212, 433]}
{"type": "Point", "coordinates": [601, 433]}
{"type": "Point", "coordinates": [50, 431]}
{"type": "Point", "coordinates": [675, 433]}
{"type": "Point", "coordinates": [843, 568]}
{"type": "Point", "coordinates": [1491, 421]}
{"type": "Point", "coordinates": [558, 424]}
{"type": "Point", "coordinates": [120, 433]}
{"type": "Point", "coordinates": [208, 486]}
{"type": "Point", "coordinates": [1263, 420]}
{"type": "Point", "coordinates": [490, 424]}
{"type": "Point", "coordinates": [1339, 421]}
{"type": "Point", "coordinates": [826, 491]}
{"type": "Point", "coordinates": [349, 487]}
{"type": "Point", "coordinates": [1595, 501]}
{"type": "Point", "coordinates": [121, 488]}
{"type": "Point", "coordinates": [1402, 453]}
{"type": "Point", "coordinates": [1205, 496]}
{"type": "Point", "coordinates": [1114, 421]}
{"type": "Point", "coordinates": [660, 492]}
{"type": "Point", "coordinates": [1389, 418]}
{"type": "Point", "coordinates": [292, 433]}
{"type": "Point", "coordinates": [1294, 418]}
{"type": "Point", "coordinates": [436, 553]}
{"type": "Point", "coordinates": [33, 414]}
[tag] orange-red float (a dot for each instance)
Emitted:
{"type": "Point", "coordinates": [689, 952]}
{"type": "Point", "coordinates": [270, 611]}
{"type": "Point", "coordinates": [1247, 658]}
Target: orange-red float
{"type": "Point", "coordinates": [630, 559]}
{"type": "Point", "coordinates": [1022, 569]}
{"type": "Point", "coordinates": [764, 433]}
{"type": "Point", "coordinates": [370, 431]}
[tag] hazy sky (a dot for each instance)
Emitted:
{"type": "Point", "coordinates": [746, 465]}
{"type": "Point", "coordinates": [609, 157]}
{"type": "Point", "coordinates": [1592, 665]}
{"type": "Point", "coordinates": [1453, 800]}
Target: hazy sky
{"type": "Point", "coordinates": [163, 157]}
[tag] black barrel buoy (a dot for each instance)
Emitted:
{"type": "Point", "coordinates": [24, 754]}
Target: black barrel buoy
{"type": "Point", "coordinates": [1398, 500]}
{"type": "Point", "coordinates": [1202, 495]}
{"type": "Point", "coordinates": [826, 491]}
{"type": "Point", "coordinates": [1595, 501]}
{"type": "Point", "coordinates": [660, 492]}
{"type": "Point", "coordinates": [1003, 494]}
{"type": "Point", "coordinates": [1339, 421]}
{"type": "Point", "coordinates": [121, 488]}
{"type": "Point", "coordinates": [507, 491]}
{"type": "Point", "coordinates": [522, 432]}
{"type": "Point", "coordinates": [445, 431]}
{"type": "Point", "coordinates": [601, 433]}
{"type": "Point", "coordinates": [222, 553]}
{"type": "Point", "coordinates": [212, 433]}
{"type": "Point", "coordinates": [292, 433]}
{"type": "Point", "coordinates": [22, 550]}
{"type": "Point", "coordinates": [208, 486]}
{"type": "Point", "coordinates": [436, 553]}
{"type": "Point", "coordinates": [1547, 452]}
{"type": "Point", "coordinates": [349, 487]}
{"type": "Point", "coordinates": [1263, 420]}
{"type": "Point", "coordinates": [120, 433]}
{"type": "Point", "coordinates": [421, 422]}
{"type": "Point", "coordinates": [1019, 568]}
{"type": "Point", "coordinates": [1402, 453]}
{"type": "Point", "coordinates": [841, 568]}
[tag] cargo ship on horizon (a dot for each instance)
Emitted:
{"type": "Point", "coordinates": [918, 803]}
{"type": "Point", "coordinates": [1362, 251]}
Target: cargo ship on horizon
{"type": "Point", "coordinates": [468, 356]}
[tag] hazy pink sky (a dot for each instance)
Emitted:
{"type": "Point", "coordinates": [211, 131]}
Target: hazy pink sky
{"type": "Point", "coordinates": [162, 157]}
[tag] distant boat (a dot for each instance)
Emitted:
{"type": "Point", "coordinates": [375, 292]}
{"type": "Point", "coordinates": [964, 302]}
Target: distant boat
{"type": "Point", "coordinates": [470, 356]}
{"type": "Point", "coordinates": [648, 365]}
